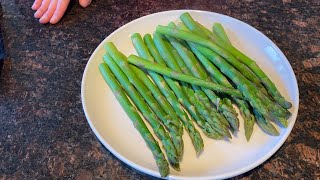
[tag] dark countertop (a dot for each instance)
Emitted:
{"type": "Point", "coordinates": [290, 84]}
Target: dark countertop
{"type": "Point", "coordinates": [43, 131]}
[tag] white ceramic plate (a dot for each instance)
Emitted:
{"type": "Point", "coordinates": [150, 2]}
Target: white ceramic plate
{"type": "Point", "coordinates": [220, 159]}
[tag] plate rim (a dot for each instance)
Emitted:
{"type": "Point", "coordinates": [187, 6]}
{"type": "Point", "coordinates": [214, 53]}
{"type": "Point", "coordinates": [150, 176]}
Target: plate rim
{"type": "Point", "coordinates": [221, 176]}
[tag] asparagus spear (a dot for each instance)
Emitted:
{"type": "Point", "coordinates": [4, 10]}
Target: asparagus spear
{"type": "Point", "coordinates": [201, 97]}
{"type": "Point", "coordinates": [170, 61]}
{"type": "Point", "coordinates": [175, 127]}
{"type": "Point", "coordinates": [220, 78]}
{"type": "Point", "coordinates": [219, 130]}
{"type": "Point", "coordinates": [200, 30]}
{"type": "Point", "coordinates": [156, 67]}
{"type": "Point", "coordinates": [271, 88]}
{"type": "Point", "coordinates": [265, 125]}
{"type": "Point", "coordinates": [243, 106]}
{"type": "Point", "coordinates": [251, 64]}
{"type": "Point", "coordinates": [204, 93]}
{"type": "Point", "coordinates": [223, 40]}
{"type": "Point", "coordinates": [188, 36]}
{"type": "Point", "coordinates": [168, 93]}
{"type": "Point", "coordinates": [134, 116]}
{"type": "Point", "coordinates": [183, 98]}
{"type": "Point", "coordinates": [198, 97]}
{"type": "Point", "coordinates": [274, 107]}
{"type": "Point", "coordinates": [219, 31]}
{"type": "Point", "coordinates": [243, 84]}
{"type": "Point", "coordinates": [191, 63]}
{"type": "Point", "coordinates": [121, 69]}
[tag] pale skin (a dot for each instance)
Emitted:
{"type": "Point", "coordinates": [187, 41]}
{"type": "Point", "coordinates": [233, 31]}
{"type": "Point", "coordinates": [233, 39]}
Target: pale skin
{"type": "Point", "coordinates": [51, 11]}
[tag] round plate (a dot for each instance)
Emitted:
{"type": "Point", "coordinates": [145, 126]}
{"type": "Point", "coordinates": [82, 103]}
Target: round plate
{"type": "Point", "coordinates": [220, 159]}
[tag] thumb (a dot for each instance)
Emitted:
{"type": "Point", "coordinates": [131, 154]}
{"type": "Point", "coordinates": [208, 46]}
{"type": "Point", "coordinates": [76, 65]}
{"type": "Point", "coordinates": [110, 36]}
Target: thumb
{"type": "Point", "coordinates": [84, 3]}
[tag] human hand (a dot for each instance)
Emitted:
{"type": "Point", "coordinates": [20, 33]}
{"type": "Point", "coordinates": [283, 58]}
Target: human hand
{"type": "Point", "coordinates": [53, 10]}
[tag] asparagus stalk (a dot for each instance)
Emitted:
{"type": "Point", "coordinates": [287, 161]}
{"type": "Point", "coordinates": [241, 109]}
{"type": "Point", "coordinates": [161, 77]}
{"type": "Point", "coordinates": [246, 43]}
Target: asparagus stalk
{"type": "Point", "coordinates": [134, 116]}
{"type": "Point", "coordinates": [243, 106]}
{"type": "Point", "coordinates": [183, 98]}
{"type": "Point", "coordinates": [243, 84]}
{"type": "Point", "coordinates": [219, 31]}
{"type": "Point", "coordinates": [174, 127]}
{"type": "Point", "coordinates": [251, 64]}
{"type": "Point", "coordinates": [271, 88]}
{"type": "Point", "coordinates": [223, 40]}
{"type": "Point", "coordinates": [170, 61]}
{"type": "Point", "coordinates": [207, 43]}
{"type": "Point", "coordinates": [156, 67]}
{"type": "Point", "coordinates": [197, 96]}
{"type": "Point", "coordinates": [274, 107]}
{"type": "Point", "coordinates": [203, 32]}
{"type": "Point", "coordinates": [265, 125]}
{"type": "Point", "coordinates": [198, 92]}
{"type": "Point", "coordinates": [121, 69]}
{"type": "Point", "coordinates": [169, 94]}
{"type": "Point", "coordinates": [188, 36]}
{"type": "Point", "coordinates": [221, 79]}
{"type": "Point", "coordinates": [191, 63]}
{"type": "Point", "coordinates": [204, 93]}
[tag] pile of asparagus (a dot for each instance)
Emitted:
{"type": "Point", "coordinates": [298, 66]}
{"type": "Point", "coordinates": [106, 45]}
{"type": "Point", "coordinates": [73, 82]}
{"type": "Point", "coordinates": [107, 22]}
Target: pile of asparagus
{"type": "Point", "coordinates": [188, 69]}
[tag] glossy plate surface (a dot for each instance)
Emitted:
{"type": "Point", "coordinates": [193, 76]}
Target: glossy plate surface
{"type": "Point", "coordinates": [220, 159]}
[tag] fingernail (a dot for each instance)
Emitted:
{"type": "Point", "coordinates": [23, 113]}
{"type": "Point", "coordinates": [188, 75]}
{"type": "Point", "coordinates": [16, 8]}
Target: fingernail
{"type": "Point", "coordinates": [87, 4]}
{"type": "Point", "coordinates": [53, 20]}
{"type": "Point", "coordinates": [34, 6]}
{"type": "Point", "coordinates": [36, 14]}
{"type": "Point", "coordinates": [43, 19]}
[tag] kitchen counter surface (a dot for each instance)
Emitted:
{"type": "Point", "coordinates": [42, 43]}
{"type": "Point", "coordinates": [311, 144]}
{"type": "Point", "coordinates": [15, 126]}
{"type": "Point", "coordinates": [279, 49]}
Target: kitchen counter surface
{"type": "Point", "coordinates": [43, 131]}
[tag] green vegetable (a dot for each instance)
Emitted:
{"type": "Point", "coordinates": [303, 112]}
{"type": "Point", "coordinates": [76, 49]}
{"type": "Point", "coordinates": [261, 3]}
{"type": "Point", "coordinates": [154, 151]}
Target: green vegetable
{"type": "Point", "coordinates": [194, 68]}
{"type": "Point", "coordinates": [221, 33]}
{"type": "Point", "coordinates": [274, 107]}
{"type": "Point", "coordinates": [221, 79]}
{"type": "Point", "coordinates": [243, 84]}
{"type": "Point", "coordinates": [156, 67]}
{"type": "Point", "coordinates": [126, 76]}
{"type": "Point", "coordinates": [271, 88]}
{"type": "Point", "coordinates": [281, 112]}
{"type": "Point", "coordinates": [262, 77]}
{"type": "Point", "coordinates": [134, 116]}
{"type": "Point", "coordinates": [168, 93]}
{"type": "Point", "coordinates": [265, 125]}
{"type": "Point", "coordinates": [175, 86]}
{"type": "Point", "coordinates": [175, 127]}
{"type": "Point", "coordinates": [188, 36]}
{"type": "Point", "coordinates": [198, 97]}
{"type": "Point", "coordinates": [203, 32]}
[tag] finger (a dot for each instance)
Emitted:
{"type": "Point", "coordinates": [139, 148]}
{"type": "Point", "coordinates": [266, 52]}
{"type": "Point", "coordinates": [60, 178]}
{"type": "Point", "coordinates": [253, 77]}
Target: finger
{"type": "Point", "coordinates": [49, 13]}
{"type": "Point", "coordinates": [84, 3]}
{"type": "Point", "coordinates": [36, 4]}
{"type": "Point", "coordinates": [43, 8]}
{"type": "Point", "coordinates": [60, 10]}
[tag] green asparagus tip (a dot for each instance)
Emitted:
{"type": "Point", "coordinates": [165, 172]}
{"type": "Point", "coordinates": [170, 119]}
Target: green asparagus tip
{"type": "Point", "coordinates": [248, 136]}
{"type": "Point", "coordinates": [175, 166]}
{"type": "Point", "coordinates": [185, 14]}
{"type": "Point", "coordinates": [171, 24]}
{"type": "Point", "coordinates": [135, 35]}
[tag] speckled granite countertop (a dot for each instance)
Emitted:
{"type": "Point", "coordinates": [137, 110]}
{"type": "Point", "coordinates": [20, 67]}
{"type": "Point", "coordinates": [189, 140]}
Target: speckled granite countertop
{"type": "Point", "coordinates": [43, 130]}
